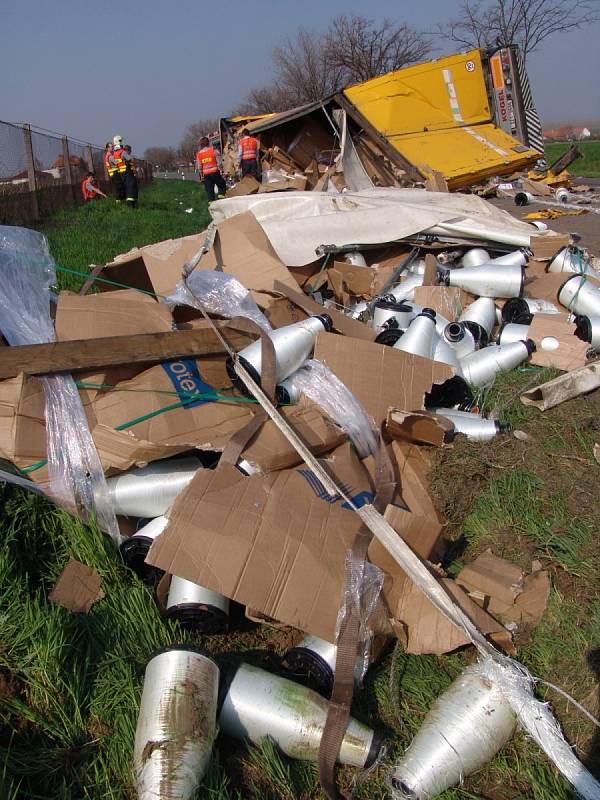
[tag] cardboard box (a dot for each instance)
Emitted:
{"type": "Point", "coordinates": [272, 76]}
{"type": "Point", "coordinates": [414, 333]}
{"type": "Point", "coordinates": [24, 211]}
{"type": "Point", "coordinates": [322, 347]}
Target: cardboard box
{"type": "Point", "coordinates": [419, 427]}
{"type": "Point", "coordinates": [380, 377]}
{"type": "Point", "coordinates": [295, 183]}
{"type": "Point", "coordinates": [247, 185]}
{"type": "Point", "coordinates": [120, 313]}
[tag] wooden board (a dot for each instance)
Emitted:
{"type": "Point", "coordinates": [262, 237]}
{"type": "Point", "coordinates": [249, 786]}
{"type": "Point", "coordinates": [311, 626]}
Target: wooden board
{"type": "Point", "coordinates": [90, 354]}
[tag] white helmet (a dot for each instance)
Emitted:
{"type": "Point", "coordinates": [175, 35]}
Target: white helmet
{"type": "Point", "coordinates": [117, 140]}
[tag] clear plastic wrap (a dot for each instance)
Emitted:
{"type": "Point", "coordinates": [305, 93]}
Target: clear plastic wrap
{"type": "Point", "coordinates": [320, 385]}
{"type": "Point", "coordinates": [362, 595]}
{"type": "Point", "coordinates": [219, 294]}
{"type": "Point", "coordinates": [273, 176]}
{"type": "Point", "coordinates": [76, 475]}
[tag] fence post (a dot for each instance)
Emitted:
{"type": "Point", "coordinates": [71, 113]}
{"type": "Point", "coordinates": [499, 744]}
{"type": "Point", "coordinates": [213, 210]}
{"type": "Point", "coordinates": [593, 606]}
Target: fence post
{"type": "Point", "coordinates": [67, 168]}
{"type": "Point", "coordinates": [90, 155]}
{"type": "Point", "coordinates": [35, 209]}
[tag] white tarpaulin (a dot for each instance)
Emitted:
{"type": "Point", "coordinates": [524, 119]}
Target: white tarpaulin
{"type": "Point", "coordinates": [296, 223]}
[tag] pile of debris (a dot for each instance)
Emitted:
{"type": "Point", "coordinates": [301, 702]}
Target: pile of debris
{"type": "Point", "coordinates": [252, 421]}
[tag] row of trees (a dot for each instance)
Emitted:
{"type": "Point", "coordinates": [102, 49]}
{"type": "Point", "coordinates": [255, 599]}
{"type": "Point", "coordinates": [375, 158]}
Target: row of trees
{"type": "Point", "coordinates": [311, 65]}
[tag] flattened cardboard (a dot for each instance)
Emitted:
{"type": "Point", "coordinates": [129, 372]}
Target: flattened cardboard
{"type": "Point", "coordinates": [556, 328]}
{"type": "Point", "coordinates": [413, 465]}
{"type": "Point", "coordinates": [355, 280]}
{"type": "Point", "coordinates": [207, 426]}
{"type": "Point", "coordinates": [120, 313]}
{"type": "Point", "coordinates": [296, 183]}
{"type": "Point", "coordinates": [547, 246]}
{"type": "Point", "coordinates": [419, 427]}
{"type": "Point", "coordinates": [449, 301]}
{"type": "Point", "coordinates": [547, 285]}
{"type": "Point", "coordinates": [282, 311]}
{"type": "Point", "coordinates": [531, 604]}
{"type": "Point", "coordinates": [243, 250]}
{"type": "Point", "coordinates": [275, 542]}
{"type": "Point", "coordinates": [341, 323]}
{"type": "Point", "coordinates": [121, 450]}
{"type": "Point", "coordinates": [379, 376]}
{"type": "Point", "coordinates": [430, 274]}
{"type": "Point", "coordinates": [78, 587]}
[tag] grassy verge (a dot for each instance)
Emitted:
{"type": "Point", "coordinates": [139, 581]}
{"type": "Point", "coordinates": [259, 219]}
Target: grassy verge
{"type": "Point", "coordinates": [588, 166]}
{"type": "Point", "coordinates": [70, 684]}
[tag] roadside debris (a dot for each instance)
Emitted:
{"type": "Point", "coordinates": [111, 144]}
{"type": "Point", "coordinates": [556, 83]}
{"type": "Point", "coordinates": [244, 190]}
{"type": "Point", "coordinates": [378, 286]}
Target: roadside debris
{"type": "Point", "coordinates": [78, 587]}
{"type": "Point", "coordinates": [376, 334]}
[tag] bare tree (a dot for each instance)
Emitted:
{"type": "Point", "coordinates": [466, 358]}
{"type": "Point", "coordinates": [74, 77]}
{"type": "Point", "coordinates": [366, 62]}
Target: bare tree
{"type": "Point", "coordinates": [526, 23]}
{"type": "Point", "coordinates": [360, 50]}
{"type": "Point", "coordinates": [311, 66]}
{"type": "Point", "coordinates": [163, 157]}
{"type": "Point", "coordinates": [195, 131]}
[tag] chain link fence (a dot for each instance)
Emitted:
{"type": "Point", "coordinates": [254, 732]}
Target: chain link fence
{"type": "Point", "coordinates": [41, 173]}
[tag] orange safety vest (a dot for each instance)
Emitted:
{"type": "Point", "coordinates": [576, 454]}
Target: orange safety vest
{"type": "Point", "coordinates": [105, 161]}
{"type": "Point", "coordinates": [87, 194]}
{"type": "Point", "coordinates": [119, 165]}
{"type": "Point", "coordinates": [207, 159]}
{"type": "Point", "coordinates": [249, 147]}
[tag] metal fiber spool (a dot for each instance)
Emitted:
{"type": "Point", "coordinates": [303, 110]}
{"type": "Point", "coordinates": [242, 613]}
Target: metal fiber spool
{"type": "Point", "coordinates": [480, 368]}
{"type": "Point", "coordinates": [194, 606]}
{"type": "Point", "coordinates": [176, 724]}
{"type": "Point", "coordinates": [150, 491]}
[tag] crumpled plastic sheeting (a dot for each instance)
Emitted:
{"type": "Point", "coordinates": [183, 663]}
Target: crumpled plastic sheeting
{"type": "Point", "coordinates": [320, 385]}
{"type": "Point", "coordinates": [76, 474]}
{"type": "Point", "coordinates": [219, 293]}
{"type": "Point", "coordinates": [298, 222]}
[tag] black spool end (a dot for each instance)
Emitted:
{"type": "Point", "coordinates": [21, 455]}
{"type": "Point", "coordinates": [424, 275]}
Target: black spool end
{"type": "Point", "coordinates": [374, 750]}
{"type": "Point", "coordinates": [389, 303]}
{"type": "Point", "coordinates": [326, 320]}
{"type": "Point", "coordinates": [522, 287]}
{"type": "Point", "coordinates": [444, 277]}
{"type": "Point", "coordinates": [454, 331]}
{"type": "Point", "coordinates": [479, 334]}
{"type": "Point", "coordinates": [400, 786]}
{"type": "Point", "coordinates": [236, 380]}
{"type": "Point", "coordinates": [530, 344]}
{"type": "Point", "coordinates": [583, 328]}
{"type": "Point", "coordinates": [503, 427]}
{"type": "Point", "coordinates": [521, 199]}
{"type": "Point", "coordinates": [226, 676]}
{"type": "Point", "coordinates": [308, 668]}
{"type": "Point", "coordinates": [514, 308]}
{"type": "Point", "coordinates": [389, 337]}
{"type": "Point", "coordinates": [427, 312]}
{"type": "Point", "coordinates": [133, 552]}
{"type": "Point", "coordinates": [282, 396]}
{"type": "Point", "coordinates": [199, 617]}
{"type": "Point", "coordinates": [453, 392]}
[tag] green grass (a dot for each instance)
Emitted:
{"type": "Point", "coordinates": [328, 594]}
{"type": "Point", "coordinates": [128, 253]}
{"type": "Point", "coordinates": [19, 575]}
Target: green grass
{"type": "Point", "coordinates": [588, 166]}
{"type": "Point", "coordinates": [70, 684]}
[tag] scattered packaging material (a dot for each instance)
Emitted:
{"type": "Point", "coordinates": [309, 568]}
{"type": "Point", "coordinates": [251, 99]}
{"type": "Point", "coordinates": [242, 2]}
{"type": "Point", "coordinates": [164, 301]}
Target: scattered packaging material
{"type": "Point", "coordinates": [78, 587]}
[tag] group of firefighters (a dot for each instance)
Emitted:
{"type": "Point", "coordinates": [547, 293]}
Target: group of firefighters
{"type": "Point", "coordinates": [120, 167]}
{"type": "Point", "coordinates": [208, 163]}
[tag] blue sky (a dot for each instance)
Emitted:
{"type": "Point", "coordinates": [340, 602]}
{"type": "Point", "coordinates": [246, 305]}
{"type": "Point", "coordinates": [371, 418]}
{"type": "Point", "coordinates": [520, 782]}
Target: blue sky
{"type": "Point", "coordinates": [146, 69]}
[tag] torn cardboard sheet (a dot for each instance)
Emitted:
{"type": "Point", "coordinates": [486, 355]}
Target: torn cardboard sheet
{"type": "Point", "coordinates": [419, 427]}
{"type": "Point", "coordinates": [565, 387]}
{"type": "Point", "coordinates": [556, 343]}
{"type": "Point", "coordinates": [276, 542]}
{"type": "Point", "coordinates": [282, 311]}
{"type": "Point", "coordinates": [78, 587]}
{"type": "Point", "coordinates": [505, 590]}
{"type": "Point", "coordinates": [413, 465]}
{"type": "Point", "coordinates": [248, 185]}
{"type": "Point", "coordinates": [120, 313]}
{"type": "Point", "coordinates": [449, 301]}
{"type": "Point", "coordinates": [380, 377]}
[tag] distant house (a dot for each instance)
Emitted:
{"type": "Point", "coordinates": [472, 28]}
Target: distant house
{"type": "Point", "coordinates": [568, 133]}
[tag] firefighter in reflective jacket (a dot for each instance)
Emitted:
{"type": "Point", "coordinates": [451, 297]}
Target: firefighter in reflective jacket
{"type": "Point", "coordinates": [130, 178]}
{"type": "Point", "coordinates": [117, 168]}
{"type": "Point", "coordinates": [248, 154]}
{"type": "Point", "coordinates": [208, 166]}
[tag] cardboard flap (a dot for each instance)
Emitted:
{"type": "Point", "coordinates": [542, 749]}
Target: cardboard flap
{"type": "Point", "coordinates": [78, 587]}
{"type": "Point", "coordinates": [380, 377]}
{"type": "Point", "coordinates": [556, 343]}
{"type": "Point", "coordinates": [493, 576]}
{"type": "Point", "coordinates": [120, 313]}
{"type": "Point", "coordinates": [121, 450]}
{"type": "Point", "coordinates": [413, 464]}
{"type": "Point", "coordinates": [274, 542]}
{"type": "Point", "coordinates": [419, 427]}
{"type": "Point", "coordinates": [449, 301]}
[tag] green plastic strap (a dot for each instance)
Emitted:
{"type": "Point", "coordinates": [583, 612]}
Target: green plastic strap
{"type": "Point", "coordinates": [316, 280]}
{"type": "Point", "coordinates": [86, 275]}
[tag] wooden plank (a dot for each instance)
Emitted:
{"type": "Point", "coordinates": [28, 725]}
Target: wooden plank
{"type": "Point", "coordinates": [91, 354]}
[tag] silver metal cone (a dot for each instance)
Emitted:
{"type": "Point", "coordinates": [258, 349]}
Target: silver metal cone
{"type": "Point", "coordinates": [474, 257]}
{"type": "Point", "coordinates": [594, 331]}
{"type": "Point", "coordinates": [473, 426]}
{"type": "Point", "coordinates": [356, 259]}
{"type": "Point", "coordinates": [541, 306]}
{"type": "Point", "coordinates": [406, 289]}
{"type": "Point", "coordinates": [419, 338]}
{"type": "Point", "coordinates": [489, 280]}
{"type": "Point", "coordinates": [288, 392]}
{"type": "Point", "coordinates": [483, 312]}
{"type": "Point", "coordinates": [459, 339]}
{"type": "Point", "coordinates": [313, 660]}
{"type": "Point", "coordinates": [152, 529]}
{"type": "Point", "coordinates": [259, 704]}
{"type": "Point", "coordinates": [176, 725]}
{"type": "Point", "coordinates": [417, 267]}
{"type": "Point", "coordinates": [537, 223]}
{"type": "Point", "coordinates": [183, 592]}
{"type": "Point", "coordinates": [516, 258]}
{"type": "Point", "coordinates": [481, 367]}
{"type": "Point", "coordinates": [513, 332]}
{"type": "Point", "coordinates": [562, 195]}
{"type": "Point", "coordinates": [445, 355]}
{"type": "Point", "coordinates": [293, 345]}
{"type": "Point", "coordinates": [384, 310]}
{"type": "Point", "coordinates": [580, 296]}
{"type": "Point", "coordinates": [150, 491]}
{"type": "Point", "coordinates": [566, 260]}
{"type": "Point", "coordinates": [524, 198]}
{"type": "Point", "coordinates": [464, 729]}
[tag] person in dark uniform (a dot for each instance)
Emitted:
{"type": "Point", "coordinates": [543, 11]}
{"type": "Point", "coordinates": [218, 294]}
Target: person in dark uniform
{"type": "Point", "coordinates": [208, 164]}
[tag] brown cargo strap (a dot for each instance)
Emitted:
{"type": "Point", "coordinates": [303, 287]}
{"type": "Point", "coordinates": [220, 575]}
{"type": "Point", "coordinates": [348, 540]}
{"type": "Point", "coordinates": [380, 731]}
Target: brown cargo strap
{"type": "Point", "coordinates": [347, 643]}
{"type": "Point", "coordinates": [240, 439]}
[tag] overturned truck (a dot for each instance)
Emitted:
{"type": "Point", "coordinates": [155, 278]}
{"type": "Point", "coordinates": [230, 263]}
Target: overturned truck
{"type": "Point", "coordinates": [462, 118]}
